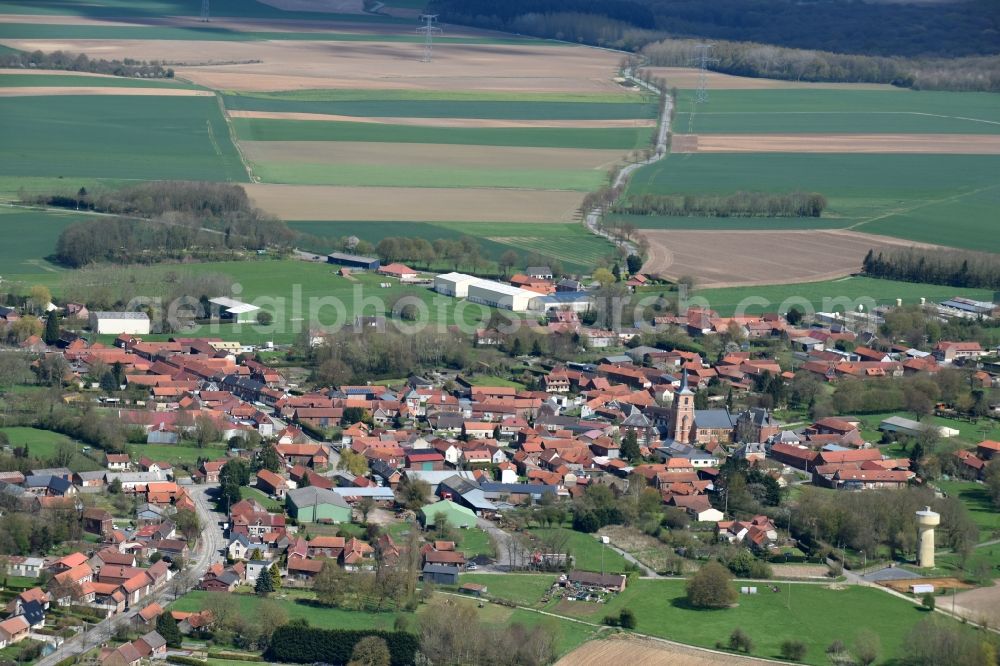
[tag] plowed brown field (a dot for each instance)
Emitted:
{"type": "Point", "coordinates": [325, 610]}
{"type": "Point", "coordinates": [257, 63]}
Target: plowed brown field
{"type": "Point", "coordinates": [750, 258]}
{"type": "Point", "coordinates": [634, 651]}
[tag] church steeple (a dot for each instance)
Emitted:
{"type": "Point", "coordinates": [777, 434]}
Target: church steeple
{"type": "Point", "coordinates": [683, 416]}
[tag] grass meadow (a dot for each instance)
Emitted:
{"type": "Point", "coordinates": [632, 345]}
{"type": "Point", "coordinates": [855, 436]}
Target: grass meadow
{"type": "Point", "coordinates": [268, 129]}
{"type": "Point", "coordinates": [569, 634]}
{"type": "Point", "coordinates": [814, 614]}
{"type": "Point", "coordinates": [103, 136]}
{"type": "Point", "coordinates": [299, 294]}
{"type": "Point", "coordinates": [884, 292]}
{"type": "Point", "coordinates": [570, 243]}
{"type": "Point", "coordinates": [43, 444]}
{"type": "Point", "coordinates": [788, 111]}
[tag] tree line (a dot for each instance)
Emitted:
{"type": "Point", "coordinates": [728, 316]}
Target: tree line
{"type": "Point", "coordinates": [775, 62]}
{"type": "Point", "coordinates": [79, 62]}
{"type": "Point", "coordinates": [955, 268]}
{"type": "Point", "coordinates": [942, 46]}
{"type": "Point", "coordinates": [740, 204]}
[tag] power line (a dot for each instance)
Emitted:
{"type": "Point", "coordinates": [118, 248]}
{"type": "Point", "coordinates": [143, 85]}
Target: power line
{"type": "Point", "coordinates": [701, 93]}
{"type": "Point", "coordinates": [429, 30]}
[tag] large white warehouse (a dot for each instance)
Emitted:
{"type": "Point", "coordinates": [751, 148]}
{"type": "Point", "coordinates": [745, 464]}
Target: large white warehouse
{"type": "Point", "coordinates": [454, 284]}
{"type": "Point", "coordinates": [486, 292]}
{"type": "Point", "coordinates": [499, 295]}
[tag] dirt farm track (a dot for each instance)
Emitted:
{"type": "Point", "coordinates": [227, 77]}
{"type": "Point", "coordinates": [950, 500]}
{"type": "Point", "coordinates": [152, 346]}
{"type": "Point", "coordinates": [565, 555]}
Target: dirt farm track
{"type": "Point", "coordinates": [644, 652]}
{"type": "Point", "coordinates": [752, 258]}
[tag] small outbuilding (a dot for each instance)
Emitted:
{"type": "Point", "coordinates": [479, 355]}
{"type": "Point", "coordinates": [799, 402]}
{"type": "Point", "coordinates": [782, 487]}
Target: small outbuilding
{"type": "Point", "coordinates": [440, 574]}
{"type": "Point", "coordinates": [353, 261]}
{"type": "Point", "coordinates": [455, 514]}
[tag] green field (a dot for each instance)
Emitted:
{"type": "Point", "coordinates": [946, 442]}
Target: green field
{"type": "Point", "coordinates": [522, 589]}
{"type": "Point", "coordinates": [588, 553]}
{"type": "Point", "coordinates": [177, 454]}
{"type": "Point", "coordinates": [262, 498]}
{"type": "Point", "coordinates": [910, 196]}
{"type": "Point", "coordinates": [42, 444]}
{"type": "Point", "coordinates": [570, 243]}
{"type": "Point", "coordinates": [841, 111]}
{"type": "Point", "coordinates": [102, 136]}
{"type": "Point", "coordinates": [570, 634]}
{"type": "Point", "coordinates": [261, 129]}
{"type": "Point", "coordinates": [384, 107]}
{"type": "Point", "coordinates": [36, 233]}
{"type": "Point", "coordinates": [389, 175]}
{"type": "Point", "coordinates": [817, 616]}
{"type": "Point", "coordinates": [49, 80]}
{"type": "Point", "coordinates": [728, 223]}
{"type": "Point", "coordinates": [294, 291]}
{"type": "Point", "coordinates": [884, 292]}
{"type": "Point", "coordinates": [478, 97]}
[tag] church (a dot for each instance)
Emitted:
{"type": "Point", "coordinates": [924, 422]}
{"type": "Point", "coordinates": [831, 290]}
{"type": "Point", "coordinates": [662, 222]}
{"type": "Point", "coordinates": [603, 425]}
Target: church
{"type": "Point", "coordinates": [698, 426]}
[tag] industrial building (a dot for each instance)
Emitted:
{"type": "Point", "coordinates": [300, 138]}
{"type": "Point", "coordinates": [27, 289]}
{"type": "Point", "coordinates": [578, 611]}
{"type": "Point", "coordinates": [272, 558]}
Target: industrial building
{"type": "Point", "coordinates": [576, 301]}
{"type": "Point", "coordinates": [499, 295]}
{"type": "Point", "coordinates": [485, 292]}
{"type": "Point", "coordinates": [116, 323]}
{"type": "Point", "coordinates": [454, 284]}
{"type": "Point", "coordinates": [353, 261]}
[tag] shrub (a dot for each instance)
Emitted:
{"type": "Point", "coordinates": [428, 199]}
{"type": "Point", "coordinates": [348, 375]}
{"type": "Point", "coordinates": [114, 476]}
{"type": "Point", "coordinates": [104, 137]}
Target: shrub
{"type": "Point", "coordinates": [739, 641]}
{"type": "Point", "coordinates": [626, 619]}
{"type": "Point", "coordinates": [793, 650]}
{"type": "Point", "coordinates": [928, 601]}
{"type": "Point", "coordinates": [185, 661]}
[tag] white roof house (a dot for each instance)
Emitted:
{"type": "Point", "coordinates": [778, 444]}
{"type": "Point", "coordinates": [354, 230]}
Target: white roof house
{"type": "Point", "coordinates": [116, 323]}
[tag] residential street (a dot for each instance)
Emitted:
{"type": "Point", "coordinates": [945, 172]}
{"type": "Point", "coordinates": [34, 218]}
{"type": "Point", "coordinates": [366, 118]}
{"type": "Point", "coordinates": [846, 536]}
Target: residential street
{"type": "Point", "coordinates": [205, 553]}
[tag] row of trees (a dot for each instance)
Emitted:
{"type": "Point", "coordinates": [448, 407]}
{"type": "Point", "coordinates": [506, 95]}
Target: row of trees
{"type": "Point", "coordinates": [938, 30]}
{"type": "Point", "coordinates": [955, 268]}
{"type": "Point", "coordinates": [81, 63]}
{"type": "Point", "coordinates": [740, 204]}
{"type": "Point", "coordinates": [797, 64]}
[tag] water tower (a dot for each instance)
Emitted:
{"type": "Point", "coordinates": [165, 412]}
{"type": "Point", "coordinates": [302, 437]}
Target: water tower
{"type": "Point", "coordinates": [927, 520]}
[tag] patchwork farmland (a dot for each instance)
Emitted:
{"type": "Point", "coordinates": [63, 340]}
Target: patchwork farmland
{"type": "Point", "coordinates": [895, 167]}
{"type": "Point", "coordinates": [333, 118]}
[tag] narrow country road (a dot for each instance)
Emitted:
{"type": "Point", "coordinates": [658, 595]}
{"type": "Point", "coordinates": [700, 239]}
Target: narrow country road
{"type": "Point", "coordinates": [593, 217]}
{"type": "Point", "coordinates": [206, 552]}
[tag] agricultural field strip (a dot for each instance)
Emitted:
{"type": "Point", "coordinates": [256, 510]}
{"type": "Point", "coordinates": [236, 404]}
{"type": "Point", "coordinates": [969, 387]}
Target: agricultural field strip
{"type": "Point", "coordinates": [253, 129]}
{"type": "Point", "coordinates": [443, 122]}
{"type": "Point", "coordinates": [512, 107]}
{"type": "Point", "coordinates": [120, 32]}
{"type": "Point", "coordinates": [427, 204]}
{"type": "Point", "coordinates": [46, 91]}
{"type": "Point", "coordinates": [159, 137]}
{"type": "Point", "coordinates": [957, 144]}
